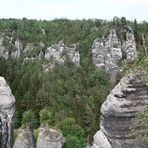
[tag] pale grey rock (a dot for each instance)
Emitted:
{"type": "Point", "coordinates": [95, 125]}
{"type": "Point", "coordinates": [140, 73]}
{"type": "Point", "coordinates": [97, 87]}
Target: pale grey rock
{"type": "Point", "coordinates": [50, 138]}
{"type": "Point", "coordinates": [129, 47]}
{"type": "Point", "coordinates": [29, 47]}
{"type": "Point", "coordinates": [88, 146]}
{"type": "Point", "coordinates": [25, 139]}
{"type": "Point", "coordinates": [2, 50]}
{"type": "Point", "coordinates": [18, 45]}
{"type": "Point", "coordinates": [29, 60]}
{"type": "Point", "coordinates": [107, 54]}
{"type": "Point", "coordinates": [15, 54]}
{"type": "Point", "coordinates": [57, 53]}
{"type": "Point", "coordinates": [54, 52]}
{"type": "Point", "coordinates": [7, 114]}
{"type": "Point", "coordinates": [43, 31]}
{"type": "Point", "coordinates": [100, 141]}
{"type": "Point", "coordinates": [73, 55]}
{"type": "Point", "coordinates": [41, 45]}
{"type": "Point", "coordinates": [98, 55]}
{"type": "Point", "coordinates": [119, 111]}
{"type": "Point", "coordinates": [1, 40]}
{"type": "Point", "coordinates": [47, 67]}
{"type": "Point", "coordinates": [112, 40]}
{"type": "Point", "coordinates": [41, 55]}
{"type": "Point", "coordinates": [6, 55]}
{"type": "Point", "coordinates": [10, 41]}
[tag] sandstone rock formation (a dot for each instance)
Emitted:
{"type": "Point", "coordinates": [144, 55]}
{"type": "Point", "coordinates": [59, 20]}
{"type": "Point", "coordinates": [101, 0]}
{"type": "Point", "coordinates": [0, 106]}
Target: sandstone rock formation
{"type": "Point", "coordinates": [58, 52]}
{"type": "Point", "coordinates": [3, 50]}
{"type": "Point", "coordinates": [106, 55]}
{"type": "Point", "coordinates": [18, 48]}
{"type": "Point", "coordinates": [50, 138]}
{"type": "Point", "coordinates": [25, 139]}
{"type": "Point", "coordinates": [119, 111]}
{"type": "Point", "coordinates": [129, 46]}
{"type": "Point", "coordinates": [7, 114]}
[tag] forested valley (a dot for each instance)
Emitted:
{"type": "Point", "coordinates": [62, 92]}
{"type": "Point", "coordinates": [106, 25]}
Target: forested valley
{"type": "Point", "coordinates": [67, 96]}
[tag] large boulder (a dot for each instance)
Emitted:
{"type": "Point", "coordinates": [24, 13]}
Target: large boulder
{"type": "Point", "coordinates": [50, 138]}
{"type": "Point", "coordinates": [25, 139]}
{"type": "Point", "coordinates": [119, 111]}
{"type": "Point", "coordinates": [7, 114]}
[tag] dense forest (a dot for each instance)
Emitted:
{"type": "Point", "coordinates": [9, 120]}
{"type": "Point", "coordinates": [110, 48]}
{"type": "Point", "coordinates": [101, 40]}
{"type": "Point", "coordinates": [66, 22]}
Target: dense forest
{"type": "Point", "coordinates": [67, 94]}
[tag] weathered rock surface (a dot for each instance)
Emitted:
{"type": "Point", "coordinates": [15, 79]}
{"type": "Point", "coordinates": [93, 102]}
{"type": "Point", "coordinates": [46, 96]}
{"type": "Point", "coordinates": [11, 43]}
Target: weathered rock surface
{"type": "Point", "coordinates": [18, 48]}
{"type": "Point", "coordinates": [127, 99]}
{"type": "Point", "coordinates": [106, 55]}
{"type": "Point", "coordinates": [50, 138]}
{"type": "Point", "coordinates": [58, 52]}
{"type": "Point", "coordinates": [3, 51]}
{"type": "Point", "coordinates": [7, 114]}
{"type": "Point", "coordinates": [25, 139]}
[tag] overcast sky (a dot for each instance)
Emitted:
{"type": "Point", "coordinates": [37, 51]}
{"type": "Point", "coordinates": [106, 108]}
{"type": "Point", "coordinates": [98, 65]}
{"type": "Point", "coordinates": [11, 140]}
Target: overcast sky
{"type": "Point", "coordinates": [74, 9]}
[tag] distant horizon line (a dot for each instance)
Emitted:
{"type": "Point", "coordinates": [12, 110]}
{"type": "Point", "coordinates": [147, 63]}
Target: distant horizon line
{"type": "Point", "coordinates": [72, 19]}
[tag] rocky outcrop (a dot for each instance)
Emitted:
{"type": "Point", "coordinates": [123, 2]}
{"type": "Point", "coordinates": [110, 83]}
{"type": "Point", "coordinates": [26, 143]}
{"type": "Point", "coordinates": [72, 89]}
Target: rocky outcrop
{"type": "Point", "coordinates": [25, 139]}
{"type": "Point", "coordinates": [59, 52]}
{"type": "Point", "coordinates": [18, 48]}
{"type": "Point", "coordinates": [50, 138]}
{"type": "Point", "coordinates": [106, 54]}
{"type": "Point", "coordinates": [7, 114]}
{"type": "Point", "coordinates": [119, 111]}
{"type": "Point", "coordinates": [129, 46]}
{"type": "Point", "coordinates": [3, 51]}
{"type": "Point", "coordinates": [47, 67]}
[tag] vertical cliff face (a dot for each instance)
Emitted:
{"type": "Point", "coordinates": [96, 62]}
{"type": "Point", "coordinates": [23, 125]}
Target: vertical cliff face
{"type": "Point", "coordinates": [7, 114]}
{"type": "Point", "coordinates": [119, 111]}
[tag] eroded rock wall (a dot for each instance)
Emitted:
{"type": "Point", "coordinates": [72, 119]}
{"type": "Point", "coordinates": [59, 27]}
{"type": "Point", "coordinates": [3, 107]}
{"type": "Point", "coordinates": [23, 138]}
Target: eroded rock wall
{"type": "Point", "coordinates": [119, 111]}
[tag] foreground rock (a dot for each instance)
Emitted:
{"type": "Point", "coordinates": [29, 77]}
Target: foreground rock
{"type": "Point", "coordinates": [7, 114]}
{"type": "Point", "coordinates": [50, 138]}
{"type": "Point", "coordinates": [106, 54]}
{"type": "Point", "coordinates": [25, 139]}
{"type": "Point", "coordinates": [127, 99]}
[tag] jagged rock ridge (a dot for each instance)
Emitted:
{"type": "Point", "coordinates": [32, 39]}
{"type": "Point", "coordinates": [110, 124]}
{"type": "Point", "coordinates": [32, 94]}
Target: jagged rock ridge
{"type": "Point", "coordinates": [119, 111]}
{"type": "Point", "coordinates": [59, 51]}
{"type": "Point", "coordinates": [106, 54]}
